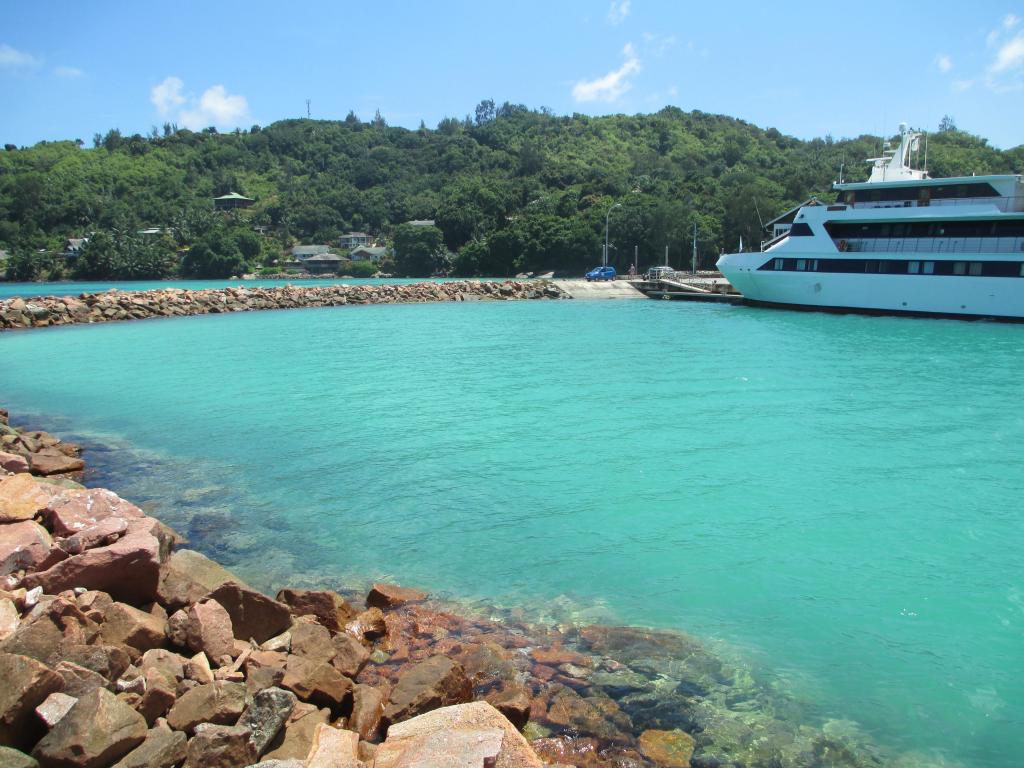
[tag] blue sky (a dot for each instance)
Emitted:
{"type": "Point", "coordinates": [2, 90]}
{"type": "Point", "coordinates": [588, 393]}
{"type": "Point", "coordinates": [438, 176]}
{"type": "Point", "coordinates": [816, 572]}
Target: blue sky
{"type": "Point", "coordinates": [71, 69]}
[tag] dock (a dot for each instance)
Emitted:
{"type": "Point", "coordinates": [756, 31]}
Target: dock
{"type": "Point", "coordinates": [707, 287]}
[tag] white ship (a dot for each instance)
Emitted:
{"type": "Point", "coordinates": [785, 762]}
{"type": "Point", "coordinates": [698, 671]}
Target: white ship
{"type": "Point", "coordinates": [899, 243]}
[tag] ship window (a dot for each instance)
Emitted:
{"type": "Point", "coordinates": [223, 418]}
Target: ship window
{"type": "Point", "coordinates": [801, 230]}
{"type": "Point", "coordinates": [914, 267]}
{"type": "Point", "coordinates": [1022, 269]}
{"type": "Point", "coordinates": [975, 268]}
{"type": "Point", "coordinates": [813, 265]}
{"type": "Point", "coordinates": [959, 267]}
{"type": "Point", "coordinates": [801, 265]}
{"type": "Point", "coordinates": [779, 263]}
{"type": "Point", "coordinates": [929, 267]}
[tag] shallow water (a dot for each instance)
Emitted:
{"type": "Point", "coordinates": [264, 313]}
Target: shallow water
{"type": "Point", "coordinates": [836, 496]}
{"type": "Point", "coordinates": [9, 290]}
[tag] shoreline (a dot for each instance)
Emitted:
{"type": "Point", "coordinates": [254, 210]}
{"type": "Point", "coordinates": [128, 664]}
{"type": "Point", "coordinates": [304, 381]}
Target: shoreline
{"type": "Point", "coordinates": [113, 306]}
{"type": "Point", "coordinates": [589, 693]}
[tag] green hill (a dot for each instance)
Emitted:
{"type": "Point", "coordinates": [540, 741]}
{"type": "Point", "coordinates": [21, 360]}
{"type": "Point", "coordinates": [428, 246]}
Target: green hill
{"type": "Point", "coordinates": [511, 190]}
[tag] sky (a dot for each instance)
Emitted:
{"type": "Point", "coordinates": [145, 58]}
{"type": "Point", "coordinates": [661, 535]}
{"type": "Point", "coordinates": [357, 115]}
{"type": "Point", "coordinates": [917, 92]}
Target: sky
{"type": "Point", "coordinates": [73, 69]}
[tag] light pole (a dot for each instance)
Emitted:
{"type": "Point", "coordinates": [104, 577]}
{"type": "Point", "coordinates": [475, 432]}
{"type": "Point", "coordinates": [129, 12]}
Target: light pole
{"type": "Point", "coordinates": [614, 205]}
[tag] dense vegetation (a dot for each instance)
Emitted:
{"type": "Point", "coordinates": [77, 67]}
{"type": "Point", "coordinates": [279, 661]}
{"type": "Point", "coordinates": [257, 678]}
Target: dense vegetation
{"type": "Point", "coordinates": [511, 190]}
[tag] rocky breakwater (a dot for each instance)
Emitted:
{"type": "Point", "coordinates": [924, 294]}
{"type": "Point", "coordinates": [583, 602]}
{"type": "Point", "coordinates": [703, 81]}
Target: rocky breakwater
{"type": "Point", "coordinates": [175, 302]}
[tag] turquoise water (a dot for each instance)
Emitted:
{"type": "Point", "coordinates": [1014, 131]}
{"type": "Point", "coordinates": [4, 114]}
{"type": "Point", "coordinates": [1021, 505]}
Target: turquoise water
{"type": "Point", "coordinates": [837, 498]}
{"type": "Point", "coordinates": [7, 290]}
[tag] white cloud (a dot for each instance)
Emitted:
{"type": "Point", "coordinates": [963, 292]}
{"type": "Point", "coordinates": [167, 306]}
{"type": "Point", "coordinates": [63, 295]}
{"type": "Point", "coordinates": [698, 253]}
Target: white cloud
{"type": "Point", "coordinates": [618, 11]}
{"type": "Point", "coordinates": [167, 95]}
{"type": "Point", "coordinates": [216, 107]}
{"type": "Point", "coordinates": [1011, 21]}
{"type": "Point", "coordinates": [943, 62]}
{"type": "Point", "coordinates": [960, 86]}
{"type": "Point", "coordinates": [12, 58]}
{"type": "Point", "coordinates": [68, 72]}
{"type": "Point", "coordinates": [611, 86]}
{"type": "Point", "coordinates": [1010, 56]}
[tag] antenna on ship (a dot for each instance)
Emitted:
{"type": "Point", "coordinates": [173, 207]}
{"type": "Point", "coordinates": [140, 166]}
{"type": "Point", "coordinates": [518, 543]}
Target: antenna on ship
{"type": "Point", "coordinates": [757, 210]}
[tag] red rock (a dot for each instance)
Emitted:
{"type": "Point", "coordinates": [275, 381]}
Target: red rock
{"type": "Point", "coordinates": [296, 738]}
{"type": "Point", "coordinates": [333, 748]}
{"type": "Point", "coordinates": [220, 702]}
{"type": "Point", "coordinates": [220, 746]}
{"type": "Point", "coordinates": [330, 608]}
{"type": "Point", "coordinates": [667, 749]}
{"type": "Point", "coordinates": [369, 624]}
{"type": "Point", "coordinates": [169, 665]}
{"type": "Point", "coordinates": [313, 642]}
{"type": "Point", "coordinates": [162, 748]}
{"type": "Point", "coordinates": [367, 711]}
{"type": "Point", "coordinates": [316, 682]}
{"type": "Point", "coordinates": [209, 629]}
{"type": "Point", "coordinates": [587, 716]}
{"type": "Point", "coordinates": [54, 708]}
{"type": "Point", "coordinates": [556, 655]}
{"type": "Point", "coordinates": [26, 684]}
{"type": "Point", "coordinates": [22, 497]}
{"type": "Point", "coordinates": [253, 615]}
{"type": "Point", "coordinates": [97, 731]}
{"type": "Point", "coordinates": [388, 596]}
{"type": "Point", "coordinates": [23, 545]}
{"type": "Point", "coordinates": [88, 508]}
{"type": "Point", "coordinates": [108, 661]}
{"type": "Point", "coordinates": [51, 461]}
{"type": "Point", "coordinates": [513, 702]}
{"type": "Point", "coordinates": [128, 569]}
{"type": "Point", "coordinates": [350, 656]}
{"type": "Point", "coordinates": [436, 682]}
{"type": "Point", "coordinates": [188, 576]}
{"type": "Point", "coordinates": [158, 698]}
{"type": "Point", "coordinates": [125, 625]}
{"type": "Point", "coordinates": [12, 462]}
{"type": "Point", "coordinates": [102, 533]}
{"type": "Point", "coordinates": [10, 618]}
{"type": "Point", "coordinates": [78, 680]}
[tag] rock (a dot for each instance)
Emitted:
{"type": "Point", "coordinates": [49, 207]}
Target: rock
{"type": "Point", "coordinates": [177, 628]}
{"type": "Point", "coordinates": [51, 461]}
{"type": "Point", "coordinates": [188, 576]}
{"type": "Point", "coordinates": [102, 533]}
{"type": "Point", "coordinates": [198, 668]}
{"type": "Point", "coordinates": [12, 758]}
{"type": "Point", "coordinates": [313, 642]}
{"type": "Point", "coordinates": [369, 624]}
{"type": "Point", "coordinates": [467, 735]}
{"type": "Point", "coordinates": [253, 615]}
{"type": "Point", "coordinates": [109, 661]}
{"type": "Point", "coordinates": [128, 569]}
{"type": "Point", "coordinates": [367, 711]}
{"type": "Point", "coordinates": [556, 656]}
{"type": "Point", "coordinates": [279, 764]}
{"type": "Point", "coordinates": [169, 665]}
{"type": "Point", "coordinates": [296, 738]}
{"type": "Point", "coordinates": [221, 702]}
{"type": "Point", "coordinates": [12, 462]}
{"type": "Point", "coordinates": [86, 509]}
{"type": "Point", "coordinates": [94, 601]}
{"type": "Point", "coordinates": [220, 746]}
{"type": "Point", "coordinates": [9, 618]}
{"type": "Point", "coordinates": [209, 629]}
{"type": "Point", "coordinates": [162, 748]}
{"type": "Point", "coordinates": [590, 716]}
{"type": "Point", "coordinates": [54, 708]}
{"type": "Point", "coordinates": [26, 684]}
{"type": "Point", "coordinates": [668, 749]}
{"type": "Point", "coordinates": [334, 748]}
{"type": "Point", "coordinates": [513, 702]}
{"type": "Point", "coordinates": [316, 682]}
{"type": "Point", "coordinates": [282, 642]}
{"type": "Point", "coordinates": [266, 716]}
{"type": "Point", "coordinates": [330, 608]}
{"type": "Point", "coordinates": [158, 696]}
{"type": "Point", "coordinates": [22, 498]}
{"type": "Point", "coordinates": [350, 656]}
{"type": "Point", "coordinates": [125, 625]}
{"type": "Point", "coordinates": [97, 731]}
{"type": "Point", "coordinates": [23, 545]}
{"type": "Point", "coordinates": [388, 596]}
{"type": "Point", "coordinates": [436, 682]}
{"type": "Point", "coordinates": [78, 680]}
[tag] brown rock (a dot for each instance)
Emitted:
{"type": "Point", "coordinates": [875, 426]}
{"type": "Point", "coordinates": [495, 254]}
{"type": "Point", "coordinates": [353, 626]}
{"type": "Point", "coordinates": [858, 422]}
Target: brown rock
{"type": "Point", "coordinates": [97, 731]}
{"type": "Point", "coordinates": [22, 498]}
{"type": "Point", "coordinates": [556, 655]}
{"type": "Point", "coordinates": [78, 680]}
{"type": "Point", "coordinates": [209, 629]}
{"type": "Point", "coordinates": [108, 661]}
{"type": "Point", "coordinates": [125, 625]}
{"type": "Point", "coordinates": [330, 608]}
{"type": "Point", "coordinates": [221, 702]}
{"type": "Point", "coordinates": [253, 615]}
{"type": "Point", "coordinates": [313, 642]}
{"type": "Point", "coordinates": [12, 758]}
{"type": "Point", "coordinates": [94, 600]}
{"type": "Point", "coordinates": [296, 738]}
{"type": "Point", "coordinates": [333, 748]}
{"type": "Point", "coordinates": [316, 682]}
{"type": "Point", "coordinates": [82, 510]}
{"type": "Point", "coordinates": [102, 533]}
{"type": "Point", "coordinates": [10, 618]}
{"type": "Point", "coordinates": [466, 734]}
{"type": "Point", "coordinates": [23, 545]}
{"type": "Point", "coordinates": [513, 701]}
{"type": "Point", "coordinates": [54, 708]}
{"type": "Point", "coordinates": [188, 576]}
{"type": "Point", "coordinates": [128, 569]}
{"type": "Point", "coordinates": [26, 684]}
{"type": "Point", "coordinates": [169, 665]}
{"type": "Point", "coordinates": [668, 749]}
{"type": "Point", "coordinates": [350, 656]}
{"type": "Point", "coordinates": [162, 748]}
{"type": "Point", "coordinates": [220, 746]}
{"type": "Point", "coordinates": [367, 711]}
{"type": "Point", "coordinates": [436, 682]}
{"type": "Point", "coordinates": [50, 461]}
{"type": "Point", "coordinates": [388, 596]}
{"type": "Point", "coordinates": [588, 716]}
{"type": "Point", "coordinates": [177, 628]}
{"type": "Point", "coordinates": [158, 698]}
{"type": "Point", "coordinates": [369, 624]}
{"type": "Point", "coordinates": [12, 462]}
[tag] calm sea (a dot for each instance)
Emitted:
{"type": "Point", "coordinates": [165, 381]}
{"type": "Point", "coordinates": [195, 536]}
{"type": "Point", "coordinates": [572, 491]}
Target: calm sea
{"type": "Point", "coordinates": [837, 499]}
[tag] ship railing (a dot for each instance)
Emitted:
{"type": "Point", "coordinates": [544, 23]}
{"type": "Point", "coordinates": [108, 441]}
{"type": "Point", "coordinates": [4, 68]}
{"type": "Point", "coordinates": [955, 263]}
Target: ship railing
{"type": "Point", "coordinates": [1004, 204]}
{"type": "Point", "coordinates": [933, 245]}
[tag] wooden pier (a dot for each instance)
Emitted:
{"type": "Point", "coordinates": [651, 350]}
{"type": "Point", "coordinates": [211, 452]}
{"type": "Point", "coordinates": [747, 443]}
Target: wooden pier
{"type": "Point", "coordinates": [713, 289]}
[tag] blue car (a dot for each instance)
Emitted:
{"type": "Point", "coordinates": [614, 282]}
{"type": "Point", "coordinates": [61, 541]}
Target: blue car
{"type": "Point", "coordinates": [601, 273]}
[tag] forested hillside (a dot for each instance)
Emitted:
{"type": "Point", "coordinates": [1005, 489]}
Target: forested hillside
{"type": "Point", "coordinates": [511, 190]}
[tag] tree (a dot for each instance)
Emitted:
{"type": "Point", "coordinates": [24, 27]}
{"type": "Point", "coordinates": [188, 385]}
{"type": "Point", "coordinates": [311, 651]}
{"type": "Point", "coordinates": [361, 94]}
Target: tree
{"type": "Point", "coordinates": [420, 251]}
{"type": "Point", "coordinates": [947, 124]}
{"type": "Point", "coordinates": [485, 112]}
{"type": "Point", "coordinates": [215, 256]}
